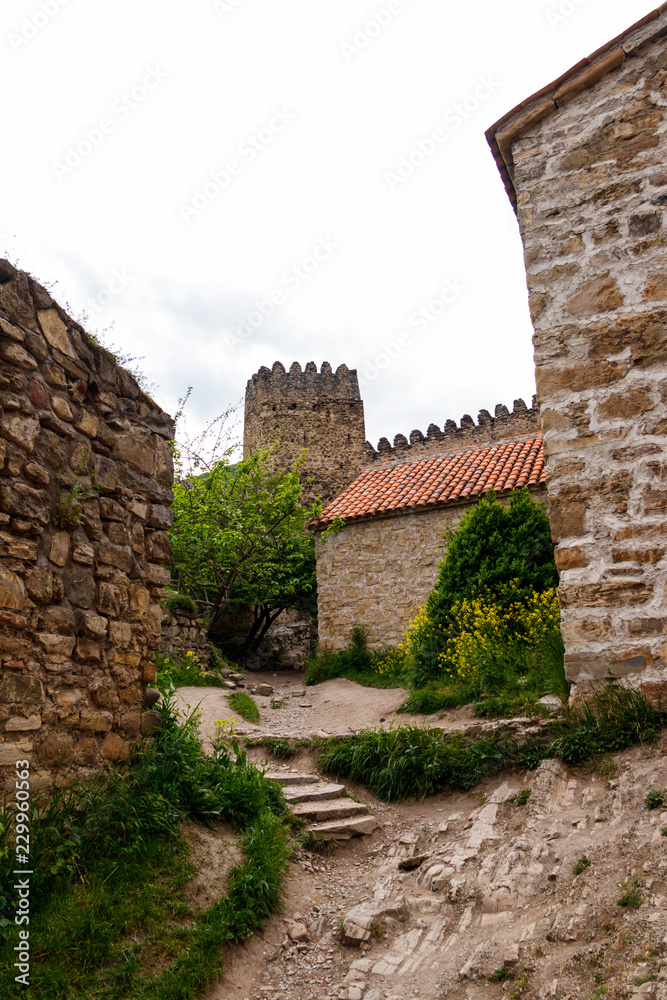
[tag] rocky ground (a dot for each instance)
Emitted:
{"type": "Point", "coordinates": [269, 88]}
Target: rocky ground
{"type": "Point", "coordinates": [474, 894]}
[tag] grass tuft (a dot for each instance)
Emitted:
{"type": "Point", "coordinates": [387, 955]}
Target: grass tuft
{"type": "Point", "coordinates": [581, 865]}
{"type": "Point", "coordinates": [632, 897]}
{"type": "Point", "coordinates": [184, 671]}
{"type": "Point", "coordinates": [318, 845]}
{"type": "Point", "coordinates": [245, 705]}
{"type": "Point", "coordinates": [500, 975]}
{"type": "Point", "coordinates": [654, 799]}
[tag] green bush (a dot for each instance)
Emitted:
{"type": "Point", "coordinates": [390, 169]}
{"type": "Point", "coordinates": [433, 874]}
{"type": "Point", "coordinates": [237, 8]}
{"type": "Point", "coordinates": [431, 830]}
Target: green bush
{"type": "Point", "coordinates": [502, 551]}
{"type": "Point", "coordinates": [180, 602]}
{"type": "Point", "coordinates": [507, 682]}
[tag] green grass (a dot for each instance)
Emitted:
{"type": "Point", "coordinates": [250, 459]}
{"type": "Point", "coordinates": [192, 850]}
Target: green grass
{"type": "Point", "coordinates": [370, 668]}
{"type": "Point", "coordinates": [245, 705]}
{"type": "Point", "coordinates": [500, 975]}
{"type": "Point", "coordinates": [318, 845]}
{"type": "Point", "coordinates": [581, 865]}
{"type": "Point", "coordinates": [522, 797]}
{"type": "Point", "coordinates": [110, 918]}
{"type": "Point", "coordinates": [654, 799]}
{"type": "Point", "coordinates": [436, 698]}
{"type": "Point", "coordinates": [417, 761]}
{"type": "Point", "coordinates": [632, 897]}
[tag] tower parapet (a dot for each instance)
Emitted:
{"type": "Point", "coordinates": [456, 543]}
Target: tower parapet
{"type": "Point", "coordinates": [319, 413]}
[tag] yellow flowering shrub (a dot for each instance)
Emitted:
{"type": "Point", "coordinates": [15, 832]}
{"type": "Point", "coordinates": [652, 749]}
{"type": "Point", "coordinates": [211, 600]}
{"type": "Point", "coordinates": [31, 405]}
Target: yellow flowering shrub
{"type": "Point", "coordinates": [482, 627]}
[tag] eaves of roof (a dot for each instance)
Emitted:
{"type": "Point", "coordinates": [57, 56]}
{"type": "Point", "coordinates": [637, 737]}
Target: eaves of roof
{"type": "Point", "coordinates": [583, 75]}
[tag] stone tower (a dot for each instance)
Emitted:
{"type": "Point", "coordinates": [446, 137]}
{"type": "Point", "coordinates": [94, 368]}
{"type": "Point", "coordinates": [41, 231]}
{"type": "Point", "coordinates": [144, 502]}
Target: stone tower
{"type": "Point", "coordinates": [319, 412]}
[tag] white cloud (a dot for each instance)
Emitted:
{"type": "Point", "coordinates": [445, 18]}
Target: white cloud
{"type": "Point", "coordinates": [228, 70]}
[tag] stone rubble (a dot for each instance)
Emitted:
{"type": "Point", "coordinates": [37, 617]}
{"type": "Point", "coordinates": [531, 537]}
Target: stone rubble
{"type": "Point", "coordinates": [495, 891]}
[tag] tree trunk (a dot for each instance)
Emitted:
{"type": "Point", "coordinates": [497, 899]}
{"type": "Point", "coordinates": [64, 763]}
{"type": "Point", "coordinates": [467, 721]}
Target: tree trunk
{"type": "Point", "coordinates": [218, 610]}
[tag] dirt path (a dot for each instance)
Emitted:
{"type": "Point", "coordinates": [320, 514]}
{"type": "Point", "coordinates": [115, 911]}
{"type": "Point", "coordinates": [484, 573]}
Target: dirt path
{"type": "Point", "coordinates": [495, 890]}
{"type": "Point", "coordinates": [331, 708]}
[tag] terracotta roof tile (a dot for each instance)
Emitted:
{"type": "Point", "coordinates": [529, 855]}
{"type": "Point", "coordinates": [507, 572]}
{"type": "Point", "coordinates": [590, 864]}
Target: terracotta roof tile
{"type": "Point", "coordinates": [439, 479]}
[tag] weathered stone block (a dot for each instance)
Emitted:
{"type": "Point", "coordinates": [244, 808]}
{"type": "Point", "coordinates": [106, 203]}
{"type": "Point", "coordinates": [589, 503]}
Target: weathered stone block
{"type": "Point", "coordinates": [21, 430]}
{"type": "Point", "coordinates": [114, 748]}
{"type": "Point", "coordinates": [12, 590]}
{"type": "Point", "coordinates": [59, 550]}
{"type": "Point", "coordinates": [81, 588]}
{"type": "Point", "coordinates": [55, 331]}
{"type": "Point", "coordinates": [11, 752]}
{"type": "Point", "coordinates": [20, 724]}
{"type": "Point", "coordinates": [56, 645]}
{"type": "Point", "coordinates": [137, 451]}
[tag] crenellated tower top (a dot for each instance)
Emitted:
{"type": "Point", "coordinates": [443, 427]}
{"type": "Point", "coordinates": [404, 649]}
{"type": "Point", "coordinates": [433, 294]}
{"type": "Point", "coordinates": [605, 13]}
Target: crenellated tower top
{"type": "Point", "coordinates": [319, 413]}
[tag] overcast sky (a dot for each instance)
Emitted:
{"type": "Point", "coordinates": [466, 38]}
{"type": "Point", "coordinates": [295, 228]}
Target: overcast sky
{"type": "Point", "coordinates": [220, 185]}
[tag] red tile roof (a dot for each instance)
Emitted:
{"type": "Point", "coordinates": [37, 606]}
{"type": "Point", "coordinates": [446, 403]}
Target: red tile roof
{"type": "Point", "coordinates": [439, 479]}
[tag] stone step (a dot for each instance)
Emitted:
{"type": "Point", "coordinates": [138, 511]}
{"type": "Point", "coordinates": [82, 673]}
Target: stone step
{"type": "Point", "coordinates": [332, 809]}
{"type": "Point", "coordinates": [285, 778]}
{"type": "Point", "coordinates": [344, 829]}
{"type": "Point", "coordinates": [313, 793]}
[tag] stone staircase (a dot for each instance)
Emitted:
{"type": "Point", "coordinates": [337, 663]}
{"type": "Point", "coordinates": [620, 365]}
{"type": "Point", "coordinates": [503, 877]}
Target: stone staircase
{"type": "Point", "coordinates": [332, 815]}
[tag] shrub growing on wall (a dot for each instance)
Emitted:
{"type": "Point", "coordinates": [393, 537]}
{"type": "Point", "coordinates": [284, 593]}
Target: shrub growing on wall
{"type": "Point", "coordinates": [501, 557]}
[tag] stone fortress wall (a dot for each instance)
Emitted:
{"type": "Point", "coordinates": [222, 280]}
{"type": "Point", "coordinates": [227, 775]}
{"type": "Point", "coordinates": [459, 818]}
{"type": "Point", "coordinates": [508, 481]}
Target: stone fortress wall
{"type": "Point", "coordinates": [503, 426]}
{"type": "Point", "coordinates": [323, 413]}
{"type": "Point", "coordinates": [85, 494]}
{"type": "Point", "coordinates": [584, 161]}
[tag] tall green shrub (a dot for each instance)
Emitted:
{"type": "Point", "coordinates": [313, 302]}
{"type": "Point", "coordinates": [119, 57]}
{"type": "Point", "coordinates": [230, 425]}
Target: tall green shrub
{"type": "Point", "coordinates": [502, 550]}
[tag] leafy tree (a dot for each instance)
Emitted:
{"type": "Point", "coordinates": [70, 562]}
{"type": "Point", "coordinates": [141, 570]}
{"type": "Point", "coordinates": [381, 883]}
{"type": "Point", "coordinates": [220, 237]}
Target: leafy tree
{"type": "Point", "coordinates": [240, 537]}
{"type": "Point", "coordinates": [502, 551]}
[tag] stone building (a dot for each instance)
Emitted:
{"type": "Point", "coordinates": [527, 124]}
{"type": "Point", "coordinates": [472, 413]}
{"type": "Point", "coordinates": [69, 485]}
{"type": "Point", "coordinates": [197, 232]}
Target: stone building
{"type": "Point", "coordinates": [584, 164]}
{"type": "Point", "coordinates": [85, 494]}
{"type": "Point", "coordinates": [381, 566]}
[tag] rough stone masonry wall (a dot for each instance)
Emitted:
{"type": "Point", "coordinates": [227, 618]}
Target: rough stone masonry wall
{"type": "Point", "coordinates": [182, 632]}
{"type": "Point", "coordinates": [378, 573]}
{"type": "Point", "coordinates": [79, 611]}
{"type": "Point", "coordinates": [591, 180]}
{"type": "Point", "coordinates": [320, 412]}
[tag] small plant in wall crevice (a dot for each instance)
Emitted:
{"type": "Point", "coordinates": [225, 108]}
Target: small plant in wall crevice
{"type": "Point", "coordinates": [68, 512]}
